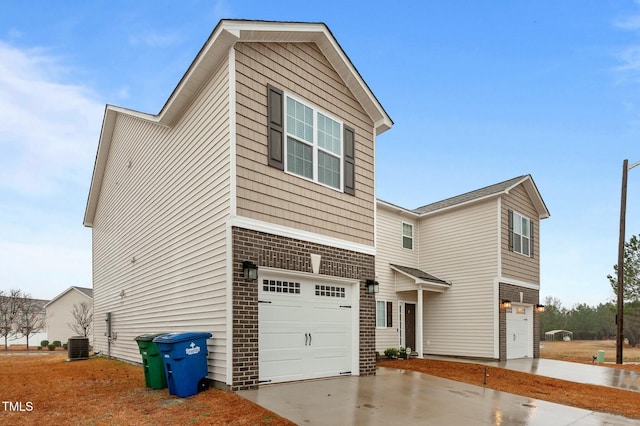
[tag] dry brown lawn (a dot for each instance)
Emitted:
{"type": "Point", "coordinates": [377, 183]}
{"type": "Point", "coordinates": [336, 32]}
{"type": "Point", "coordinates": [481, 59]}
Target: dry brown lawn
{"type": "Point", "coordinates": [108, 392]}
{"type": "Point", "coordinates": [105, 392]}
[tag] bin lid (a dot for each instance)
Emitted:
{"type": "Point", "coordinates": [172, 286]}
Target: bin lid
{"type": "Point", "coordinates": [147, 337]}
{"type": "Point", "coordinates": [182, 336]}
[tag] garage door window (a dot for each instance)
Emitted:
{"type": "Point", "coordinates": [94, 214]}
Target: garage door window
{"type": "Point", "coordinates": [330, 291]}
{"type": "Point", "coordinates": [274, 286]}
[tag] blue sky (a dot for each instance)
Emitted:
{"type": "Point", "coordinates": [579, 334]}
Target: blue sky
{"type": "Point", "coordinates": [480, 92]}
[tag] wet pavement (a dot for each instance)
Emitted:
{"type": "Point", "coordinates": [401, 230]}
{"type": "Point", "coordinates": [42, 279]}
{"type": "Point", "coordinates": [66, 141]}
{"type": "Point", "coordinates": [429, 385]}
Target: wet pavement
{"type": "Point", "coordinates": [575, 372]}
{"type": "Point", "coordinates": [404, 397]}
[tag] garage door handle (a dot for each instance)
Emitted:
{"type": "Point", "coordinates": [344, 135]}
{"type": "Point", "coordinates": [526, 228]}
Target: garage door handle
{"type": "Point", "coordinates": [306, 339]}
{"type": "Point", "coordinates": [309, 339]}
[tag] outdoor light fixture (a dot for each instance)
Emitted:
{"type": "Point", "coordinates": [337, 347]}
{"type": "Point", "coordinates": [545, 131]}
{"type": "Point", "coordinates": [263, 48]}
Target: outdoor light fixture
{"type": "Point", "coordinates": [372, 286]}
{"type": "Point", "coordinates": [539, 308]}
{"type": "Point", "coordinates": [250, 270]}
{"type": "Point", "coordinates": [505, 304]}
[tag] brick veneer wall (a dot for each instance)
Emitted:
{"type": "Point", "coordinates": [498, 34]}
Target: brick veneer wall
{"type": "Point", "coordinates": [529, 296]}
{"type": "Point", "coordinates": [273, 251]}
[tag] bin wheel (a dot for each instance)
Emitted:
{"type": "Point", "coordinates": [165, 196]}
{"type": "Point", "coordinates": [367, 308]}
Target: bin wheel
{"type": "Point", "coordinates": [203, 384]}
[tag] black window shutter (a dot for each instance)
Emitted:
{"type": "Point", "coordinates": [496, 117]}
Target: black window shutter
{"type": "Point", "coordinates": [510, 230]}
{"type": "Point", "coordinates": [349, 161]}
{"type": "Point", "coordinates": [389, 314]}
{"type": "Point", "coordinates": [531, 238]}
{"type": "Point", "coordinates": [275, 116]}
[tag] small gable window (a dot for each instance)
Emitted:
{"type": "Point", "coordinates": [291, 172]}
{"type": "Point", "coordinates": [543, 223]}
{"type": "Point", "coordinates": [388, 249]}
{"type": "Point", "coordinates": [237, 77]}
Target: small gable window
{"type": "Point", "coordinates": [520, 234]}
{"type": "Point", "coordinates": [407, 235]}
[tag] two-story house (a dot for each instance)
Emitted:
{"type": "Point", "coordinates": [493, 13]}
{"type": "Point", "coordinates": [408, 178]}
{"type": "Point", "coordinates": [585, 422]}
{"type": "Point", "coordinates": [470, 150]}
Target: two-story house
{"type": "Point", "coordinates": [461, 276]}
{"type": "Point", "coordinates": [245, 208]}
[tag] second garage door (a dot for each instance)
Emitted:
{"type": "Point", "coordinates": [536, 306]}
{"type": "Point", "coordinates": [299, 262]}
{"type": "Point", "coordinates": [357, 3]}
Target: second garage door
{"type": "Point", "coordinates": [305, 329]}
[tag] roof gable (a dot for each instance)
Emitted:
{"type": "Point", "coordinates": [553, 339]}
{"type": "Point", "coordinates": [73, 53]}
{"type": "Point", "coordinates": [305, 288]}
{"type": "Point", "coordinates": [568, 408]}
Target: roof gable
{"type": "Point", "coordinates": [217, 46]}
{"type": "Point", "coordinates": [488, 192]}
{"type": "Point", "coordinates": [87, 292]}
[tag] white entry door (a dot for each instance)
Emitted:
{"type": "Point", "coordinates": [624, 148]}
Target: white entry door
{"type": "Point", "coordinates": [520, 332]}
{"type": "Point", "coordinates": [305, 329]}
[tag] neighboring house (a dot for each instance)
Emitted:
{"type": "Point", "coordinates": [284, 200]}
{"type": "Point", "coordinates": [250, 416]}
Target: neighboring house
{"type": "Point", "coordinates": [263, 155]}
{"type": "Point", "coordinates": [446, 268]}
{"type": "Point", "coordinates": [60, 313]}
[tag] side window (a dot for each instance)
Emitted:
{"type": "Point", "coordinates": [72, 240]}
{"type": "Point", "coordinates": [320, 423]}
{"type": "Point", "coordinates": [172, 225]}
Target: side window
{"type": "Point", "coordinates": [407, 235]}
{"type": "Point", "coordinates": [520, 234]}
{"type": "Point", "coordinates": [381, 314]}
{"type": "Point", "coordinates": [384, 314]}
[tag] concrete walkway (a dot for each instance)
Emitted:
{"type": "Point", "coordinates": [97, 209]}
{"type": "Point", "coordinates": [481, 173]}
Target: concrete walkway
{"type": "Point", "coordinates": [574, 372]}
{"type": "Point", "coordinates": [408, 398]}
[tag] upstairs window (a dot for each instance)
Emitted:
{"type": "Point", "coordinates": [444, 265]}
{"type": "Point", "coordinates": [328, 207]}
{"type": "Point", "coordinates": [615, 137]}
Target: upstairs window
{"type": "Point", "coordinates": [407, 236]}
{"type": "Point", "coordinates": [520, 234]}
{"type": "Point", "coordinates": [314, 144]}
{"type": "Point", "coordinates": [307, 142]}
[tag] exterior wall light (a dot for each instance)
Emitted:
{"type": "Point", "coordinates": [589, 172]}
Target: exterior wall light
{"type": "Point", "coordinates": [372, 286]}
{"type": "Point", "coordinates": [250, 270]}
{"type": "Point", "coordinates": [539, 308]}
{"type": "Point", "coordinates": [505, 304]}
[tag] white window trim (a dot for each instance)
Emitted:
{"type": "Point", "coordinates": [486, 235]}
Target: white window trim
{"type": "Point", "coordinates": [315, 147]}
{"type": "Point", "coordinates": [519, 216]}
{"type": "Point", "coordinates": [384, 302]}
{"type": "Point", "coordinates": [403, 236]}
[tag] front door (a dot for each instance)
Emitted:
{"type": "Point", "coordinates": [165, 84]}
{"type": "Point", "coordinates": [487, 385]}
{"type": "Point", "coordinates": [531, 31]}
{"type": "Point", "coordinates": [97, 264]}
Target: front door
{"type": "Point", "coordinates": [519, 332]}
{"type": "Point", "coordinates": [410, 325]}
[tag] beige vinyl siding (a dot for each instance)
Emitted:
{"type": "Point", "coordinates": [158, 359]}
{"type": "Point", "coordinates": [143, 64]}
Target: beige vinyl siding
{"type": "Point", "coordinates": [159, 230]}
{"type": "Point", "coordinates": [389, 250]}
{"type": "Point", "coordinates": [60, 315]}
{"type": "Point", "coordinates": [461, 247]}
{"type": "Point", "coordinates": [516, 265]}
{"type": "Point", "coordinates": [271, 195]}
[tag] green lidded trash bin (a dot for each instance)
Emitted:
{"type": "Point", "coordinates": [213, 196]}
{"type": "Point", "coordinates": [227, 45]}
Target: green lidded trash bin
{"type": "Point", "coordinates": [152, 363]}
{"type": "Point", "coordinates": [600, 357]}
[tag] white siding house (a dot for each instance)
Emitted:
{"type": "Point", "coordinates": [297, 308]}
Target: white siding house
{"type": "Point", "coordinates": [59, 315]}
{"type": "Point", "coordinates": [180, 202]}
{"type": "Point", "coordinates": [462, 266]}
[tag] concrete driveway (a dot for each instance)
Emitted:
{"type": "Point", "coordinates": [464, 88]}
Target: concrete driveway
{"type": "Point", "coordinates": [408, 398]}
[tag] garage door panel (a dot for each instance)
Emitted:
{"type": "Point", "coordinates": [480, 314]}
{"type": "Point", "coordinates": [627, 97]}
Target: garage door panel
{"type": "Point", "coordinates": [306, 334]}
{"type": "Point", "coordinates": [281, 341]}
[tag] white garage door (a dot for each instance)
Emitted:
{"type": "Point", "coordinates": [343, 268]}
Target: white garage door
{"type": "Point", "coordinates": [520, 332]}
{"type": "Point", "coordinates": [305, 329]}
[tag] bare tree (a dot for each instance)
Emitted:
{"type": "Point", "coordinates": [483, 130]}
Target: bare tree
{"type": "Point", "coordinates": [9, 309]}
{"type": "Point", "coordinates": [83, 319]}
{"type": "Point", "coordinates": [31, 316]}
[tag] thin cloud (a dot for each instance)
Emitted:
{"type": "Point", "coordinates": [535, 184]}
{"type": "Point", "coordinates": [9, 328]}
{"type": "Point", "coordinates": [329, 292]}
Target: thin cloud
{"type": "Point", "coordinates": [628, 23]}
{"type": "Point", "coordinates": [48, 129]}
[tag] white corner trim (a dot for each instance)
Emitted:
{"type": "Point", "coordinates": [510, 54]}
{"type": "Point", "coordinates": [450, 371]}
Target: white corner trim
{"type": "Point", "coordinates": [229, 301]}
{"type": "Point", "coordinates": [285, 231]}
{"type": "Point", "coordinates": [499, 226]}
{"type": "Point", "coordinates": [232, 131]}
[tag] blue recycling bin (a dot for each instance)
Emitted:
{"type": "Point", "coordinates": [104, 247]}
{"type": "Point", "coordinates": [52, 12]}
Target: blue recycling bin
{"type": "Point", "coordinates": [185, 361]}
